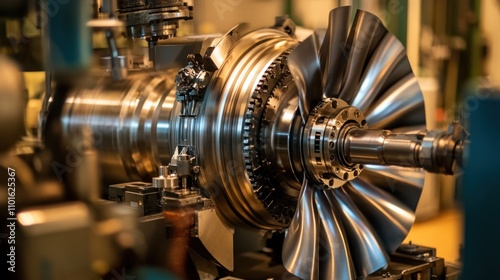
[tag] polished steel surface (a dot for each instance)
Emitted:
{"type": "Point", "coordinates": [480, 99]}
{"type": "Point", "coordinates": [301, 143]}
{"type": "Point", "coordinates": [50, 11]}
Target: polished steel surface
{"type": "Point", "coordinates": [332, 50]}
{"type": "Point", "coordinates": [336, 262]}
{"type": "Point", "coordinates": [364, 242]}
{"type": "Point", "coordinates": [130, 121]}
{"type": "Point", "coordinates": [231, 127]}
{"type": "Point", "coordinates": [237, 133]}
{"type": "Point", "coordinates": [215, 236]}
{"type": "Point", "coordinates": [220, 52]}
{"type": "Point", "coordinates": [279, 142]}
{"type": "Point", "coordinates": [384, 60]}
{"type": "Point", "coordinates": [302, 237]}
{"type": "Point", "coordinates": [434, 151]}
{"type": "Point", "coordinates": [369, 146]}
{"type": "Point", "coordinates": [304, 65]}
{"type": "Point", "coordinates": [366, 32]}
{"type": "Point", "coordinates": [369, 72]}
{"type": "Point", "coordinates": [404, 183]}
{"type": "Point", "coordinates": [401, 99]}
{"type": "Point", "coordinates": [390, 217]}
{"type": "Point", "coordinates": [323, 139]}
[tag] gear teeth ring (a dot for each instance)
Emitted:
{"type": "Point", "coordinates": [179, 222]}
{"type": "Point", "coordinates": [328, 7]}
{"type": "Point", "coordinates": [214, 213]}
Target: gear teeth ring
{"type": "Point", "coordinates": [272, 198]}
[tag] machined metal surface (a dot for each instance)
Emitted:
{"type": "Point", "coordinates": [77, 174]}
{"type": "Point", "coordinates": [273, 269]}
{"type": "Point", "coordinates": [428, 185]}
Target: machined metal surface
{"type": "Point", "coordinates": [284, 135]}
{"type": "Point", "coordinates": [215, 236]}
{"type": "Point", "coordinates": [371, 73]}
{"type": "Point", "coordinates": [322, 142]}
{"type": "Point", "coordinates": [130, 121]}
{"type": "Point", "coordinates": [230, 129]}
{"type": "Point", "coordinates": [435, 151]}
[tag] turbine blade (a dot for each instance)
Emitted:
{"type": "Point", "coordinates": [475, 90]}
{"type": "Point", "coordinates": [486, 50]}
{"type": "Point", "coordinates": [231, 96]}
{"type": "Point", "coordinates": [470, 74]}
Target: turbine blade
{"type": "Point", "coordinates": [389, 53]}
{"type": "Point", "coordinates": [390, 218]}
{"type": "Point", "coordinates": [366, 32]}
{"type": "Point", "coordinates": [334, 256]}
{"type": "Point", "coordinates": [366, 249]}
{"type": "Point", "coordinates": [404, 183]}
{"type": "Point", "coordinates": [300, 247]}
{"type": "Point", "coordinates": [402, 69]}
{"type": "Point", "coordinates": [332, 51]}
{"type": "Point", "coordinates": [304, 66]}
{"type": "Point", "coordinates": [402, 98]}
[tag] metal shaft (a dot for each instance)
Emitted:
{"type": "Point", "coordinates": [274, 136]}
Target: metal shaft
{"type": "Point", "coordinates": [437, 152]}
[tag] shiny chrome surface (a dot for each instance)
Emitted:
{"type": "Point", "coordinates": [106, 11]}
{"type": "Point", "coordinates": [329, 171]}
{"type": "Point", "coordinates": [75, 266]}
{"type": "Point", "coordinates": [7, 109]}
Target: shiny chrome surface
{"type": "Point", "coordinates": [386, 57]}
{"type": "Point", "coordinates": [364, 242]}
{"type": "Point", "coordinates": [390, 217]}
{"type": "Point", "coordinates": [434, 151]}
{"type": "Point", "coordinates": [396, 103]}
{"type": "Point", "coordinates": [229, 131]}
{"type": "Point", "coordinates": [382, 147]}
{"type": "Point", "coordinates": [136, 126]}
{"type": "Point", "coordinates": [279, 142]}
{"type": "Point", "coordinates": [366, 32]}
{"type": "Point", "coordinates": [307, 75]}
{"type": "Point", "coordinates": [369, 71]}
{"type": "Point", "coordinates": [131, 121]}
{"type": "Point", "coordinates": [323, 139]}
{"type": "Point", "coordinates": [215, 236]}
{"type": "Point", "coordinates": [219, 53]}
{"type": "Point", "coordinates": [336, 261]}
{"type": "Point", "coordinates": [332, 62]}
{"type": "Point", "coordinates": [302, 237]}
{"type": "Point", "coordinates": [403, 183]}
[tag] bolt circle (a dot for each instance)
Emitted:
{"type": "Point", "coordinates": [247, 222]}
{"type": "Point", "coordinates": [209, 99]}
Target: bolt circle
{"type": "Point", "coordinates": [322, 143]}
{"type": "Point", "coordinates": [331, 145]}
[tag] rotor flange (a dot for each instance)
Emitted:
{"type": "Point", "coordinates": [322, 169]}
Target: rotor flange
{"type": "Point", "coordinates": [325, 128]}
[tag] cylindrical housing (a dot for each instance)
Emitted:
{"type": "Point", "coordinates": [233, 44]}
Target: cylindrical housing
{"type": "Point", "coordinates": [225, 132]}
{"type": "Point", "coordinates": [131, 122]}
{"type": "Point", "coordinates": [137, 124]}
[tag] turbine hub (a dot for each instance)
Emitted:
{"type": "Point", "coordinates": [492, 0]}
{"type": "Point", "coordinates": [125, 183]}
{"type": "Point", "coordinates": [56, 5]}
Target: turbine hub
{"type": "Point", "coordinates": [324, 131]}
